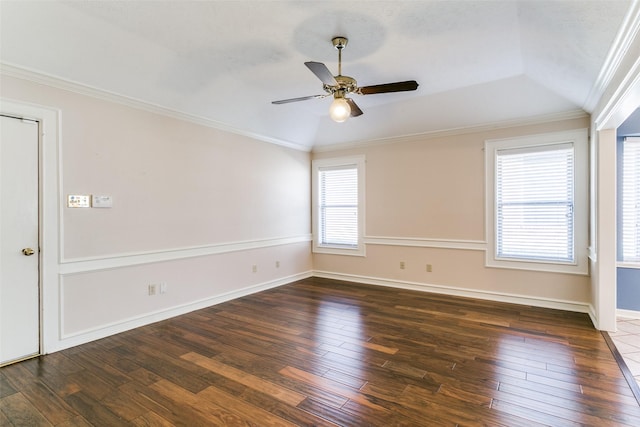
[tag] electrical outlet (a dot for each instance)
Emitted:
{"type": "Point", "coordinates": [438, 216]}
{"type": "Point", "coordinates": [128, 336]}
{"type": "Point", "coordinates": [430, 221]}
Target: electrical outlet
{"type": "Point", "coordinates": [277, 264]}
{"type": "Point", "coordinates": [152, 289]}
{"type": "Point", "coordinates": [401, 265]}
{"type": "Point", "coordinates": [428, 268]}
{"type": "Point", "coordinates": [163, 287]}
{"type": "Point", "coordinates": [255, 268]}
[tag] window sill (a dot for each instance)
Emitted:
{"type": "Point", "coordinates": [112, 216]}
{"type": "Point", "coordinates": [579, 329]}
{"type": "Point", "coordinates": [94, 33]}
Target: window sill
{"type": "Point", "coordinates": [336, 250]}
{"type": "Point", "coordinates": [633, 265]}
{"type": "Point", "coordinates": [547, 267]}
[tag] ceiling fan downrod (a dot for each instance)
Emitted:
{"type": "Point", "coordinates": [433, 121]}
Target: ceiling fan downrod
{"type": "Point", "coordinates": [339, 43]}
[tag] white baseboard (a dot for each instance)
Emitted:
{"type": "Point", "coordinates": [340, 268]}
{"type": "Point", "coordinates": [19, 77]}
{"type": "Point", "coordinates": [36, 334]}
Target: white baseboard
{"type": "Point", "coordinates": [83, 337]}
{"type": "Point", "coordinates": [627, 314]}
{"type": "Point", "coordinates": [593, 316]}
{"type": "Point", "coordinates": [461, 292]}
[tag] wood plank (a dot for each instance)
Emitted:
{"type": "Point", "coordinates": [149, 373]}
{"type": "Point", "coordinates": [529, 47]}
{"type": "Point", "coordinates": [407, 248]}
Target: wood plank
{"type": "Point", "coordinates": [287, 396]}
{"type": "Point", "coordinates": [122, 406]}
{"type": "Point", "coordinates": [169, 408]}
{"type": "Point", "coordinates": [214, 413]}
{"type": "Point", "coordinates": [4, 421]}
{"type": "Point", "coordinates": [172, 368]}
{"type": "Point", "coordinates": [532, 415]}
{"type": "Point", "coordinates": [329, 385]}
{"type": "Point", "coordinates": [20, 412]}
{"type": "Point", "coordinates": [49, 404]}
{"type": "Point", "coordinates": [77, 421]}
{"type": "Point", "coordinates": [5, 386]}
{"type": "Point", "coordinates": [151, 419]}
{"type": "Point", "coordinates": [249, 412]}
{"type": "Point", "coordinates": [92, 410]}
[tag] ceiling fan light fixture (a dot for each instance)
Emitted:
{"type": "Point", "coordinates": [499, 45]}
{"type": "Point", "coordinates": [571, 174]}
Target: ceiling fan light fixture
{"type": "Point", "coordinates": [340, 110]}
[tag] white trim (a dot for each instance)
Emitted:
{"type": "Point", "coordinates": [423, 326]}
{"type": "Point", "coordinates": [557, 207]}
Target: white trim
{"type": "Point", "coordinates": [579, 138]}
{"type": "Point", "coordinates": [619, 48]}
{"type": "Point", "coordinates": [627, 314]}
{"type": "Point", "coordinates": [50, 185]}
{"type": "Point", "coordinates": [623, 102]}
{"type": "Point", "coordinates": [628, 265]}
{"type": "Point", "coordinates": [425, 136]}
{"type": "Point", "coordinates": [580, 307]}
{"type": "Point", "coordinates": [593, 316]}
{"type": "Point", "coordinates": [102, 331]}
{"type": "Point", "coordinates": [470, 245]}
{"type": "Point", "coordinates": [81, 265]}
{"type": "Point", "coordinates": [82, 89]}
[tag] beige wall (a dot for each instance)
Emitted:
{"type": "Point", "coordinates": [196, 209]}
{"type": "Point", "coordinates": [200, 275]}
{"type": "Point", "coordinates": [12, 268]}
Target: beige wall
{"type": "Point", "coordinates": [193, 207]}
{"type": "Point", "coordinates": [429, 193]}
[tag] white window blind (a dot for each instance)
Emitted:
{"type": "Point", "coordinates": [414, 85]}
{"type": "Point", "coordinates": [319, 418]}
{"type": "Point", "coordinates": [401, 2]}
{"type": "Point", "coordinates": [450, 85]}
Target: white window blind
{"type": "Point", "coordinates": [535, 203]}
{"type": "Point", "coordinates": [338, 204]}
{"type": "Point", "coordinates": [631, 200]}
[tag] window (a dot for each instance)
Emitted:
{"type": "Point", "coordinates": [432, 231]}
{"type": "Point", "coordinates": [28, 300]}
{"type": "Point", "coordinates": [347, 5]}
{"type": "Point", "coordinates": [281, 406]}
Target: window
{"type": "Point", "coordinates": [338, 205]}
{"type": "Point", "coordinates": [536, 202]}
{"type": "Point", "coordinates": [630, 204]}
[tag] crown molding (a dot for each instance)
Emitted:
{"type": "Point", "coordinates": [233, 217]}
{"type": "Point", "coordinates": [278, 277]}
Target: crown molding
{"type": "Point", "coordinates": [619, 48]}
{"type": "Point", "coordinates": [416, 137]}
{"type": "Point", "coordinates": [82, 89]}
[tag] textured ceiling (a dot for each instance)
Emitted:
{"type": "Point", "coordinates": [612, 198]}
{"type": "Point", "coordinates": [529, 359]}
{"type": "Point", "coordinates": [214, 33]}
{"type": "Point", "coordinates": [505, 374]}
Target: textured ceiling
{"type": "Point", "coordinates": [477, 62]}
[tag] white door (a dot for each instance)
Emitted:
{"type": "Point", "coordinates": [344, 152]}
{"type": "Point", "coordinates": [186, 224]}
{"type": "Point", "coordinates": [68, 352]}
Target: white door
{"type": "Point", "coordinates": [19, 254]}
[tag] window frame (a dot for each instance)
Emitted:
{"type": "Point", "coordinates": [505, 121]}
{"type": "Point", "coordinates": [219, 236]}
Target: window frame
{"type": "Point", "coordinates": [622, 171]}
{"type": "Point", "coordinates": [579, 139]}
{"type": "Point", "coordinates": [316, 166]}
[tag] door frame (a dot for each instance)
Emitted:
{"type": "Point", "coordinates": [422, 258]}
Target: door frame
{"type": "Point", "coordinates": [49, 206]}
{"type": "Point", "coordinates": [619, 107]}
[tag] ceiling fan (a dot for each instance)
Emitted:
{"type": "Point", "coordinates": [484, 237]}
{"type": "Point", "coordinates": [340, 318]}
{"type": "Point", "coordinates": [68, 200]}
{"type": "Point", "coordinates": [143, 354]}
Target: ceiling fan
{"type": "Point", "coordinates": [340, 86]}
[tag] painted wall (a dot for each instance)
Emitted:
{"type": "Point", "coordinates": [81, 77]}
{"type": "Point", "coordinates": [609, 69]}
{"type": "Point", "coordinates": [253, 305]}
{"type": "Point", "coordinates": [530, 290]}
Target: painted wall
{"type": "Point", "coordinates": [628, 295]}
{"type": "Point", "coordinates": [209, 214]}
{"type": "Point", "coordinates": [425, 205]}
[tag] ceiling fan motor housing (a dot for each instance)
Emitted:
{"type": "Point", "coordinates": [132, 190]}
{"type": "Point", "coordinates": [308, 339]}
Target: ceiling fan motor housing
{"type": "Point", "coordinates": [345, 83]}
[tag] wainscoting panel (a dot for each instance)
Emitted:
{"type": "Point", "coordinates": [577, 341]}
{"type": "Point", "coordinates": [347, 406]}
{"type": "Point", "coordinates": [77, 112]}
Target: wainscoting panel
{"type": "Point", "coordinates": [112, 296]}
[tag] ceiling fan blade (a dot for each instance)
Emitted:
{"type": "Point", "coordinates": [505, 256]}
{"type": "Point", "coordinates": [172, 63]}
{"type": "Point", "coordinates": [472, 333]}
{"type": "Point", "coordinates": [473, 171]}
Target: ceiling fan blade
{"type": "Point", "coordinates": [355, 110]}
{"type": "Point", "coordinates": [303, 98]}
{"type": "Point", "coordinates": [389, 87]}
{"type": "Point", "coordinates": [322, 72]}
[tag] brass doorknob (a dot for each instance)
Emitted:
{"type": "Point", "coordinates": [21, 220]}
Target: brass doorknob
{"type": "Point", "coordinates": [28, 251]}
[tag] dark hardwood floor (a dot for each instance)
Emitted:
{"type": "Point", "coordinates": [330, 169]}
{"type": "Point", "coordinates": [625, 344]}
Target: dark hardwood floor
{"type": "Point", "coordinates": [320, 353]}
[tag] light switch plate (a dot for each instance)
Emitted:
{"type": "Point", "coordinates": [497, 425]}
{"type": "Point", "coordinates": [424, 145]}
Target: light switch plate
{"type": "Point", "coordinates": [77, 201]}
{"type": "Point", "coordinates": [101, 201]}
